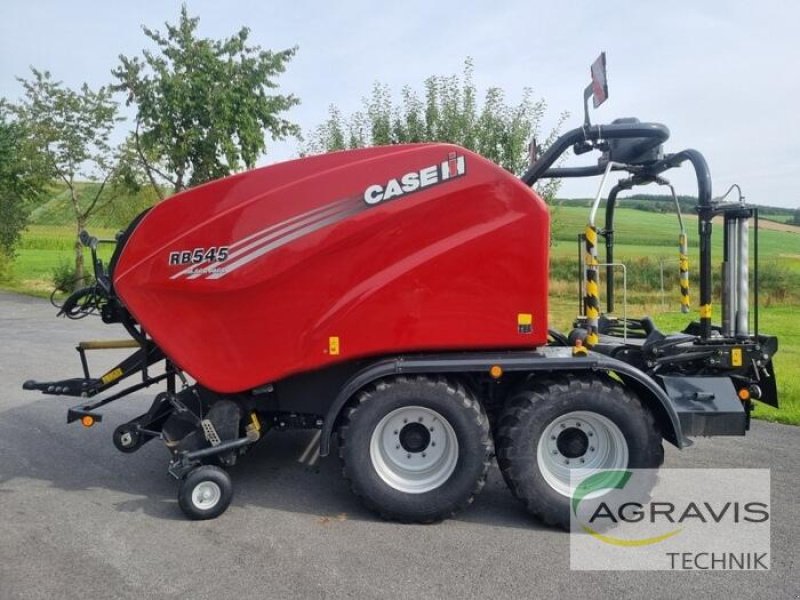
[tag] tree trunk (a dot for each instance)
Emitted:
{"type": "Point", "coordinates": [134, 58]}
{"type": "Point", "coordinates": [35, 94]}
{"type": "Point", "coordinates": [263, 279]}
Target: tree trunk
{"type": "Point", "coordinates": [80, 276]}
{"type": "Point", "coordinates": [80, 221]}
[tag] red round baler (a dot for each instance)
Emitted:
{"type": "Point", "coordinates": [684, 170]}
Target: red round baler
{"type": "Point", "coordinates": [341, 256]}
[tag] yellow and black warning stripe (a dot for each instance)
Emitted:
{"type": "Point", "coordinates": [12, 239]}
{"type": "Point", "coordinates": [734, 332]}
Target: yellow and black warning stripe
{"type": "Point", "coordinates": [591, 301]}
{"type": "Point", "coordinates": [683, 265]}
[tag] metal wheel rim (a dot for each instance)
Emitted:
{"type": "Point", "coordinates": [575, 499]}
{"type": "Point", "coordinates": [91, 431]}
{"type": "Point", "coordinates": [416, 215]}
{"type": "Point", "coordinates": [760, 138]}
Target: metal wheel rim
{"type": "Point", "coordinates": [607, 449]}
{"type": "Point", "coordinates": [420, 471]}
{"type": "Point", "coordinates": [206, 495]}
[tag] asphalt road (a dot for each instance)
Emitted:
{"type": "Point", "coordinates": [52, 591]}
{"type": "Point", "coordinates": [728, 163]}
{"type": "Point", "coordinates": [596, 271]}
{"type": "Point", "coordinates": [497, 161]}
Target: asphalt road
{"type": "Point", "coordinates": [80, 520]}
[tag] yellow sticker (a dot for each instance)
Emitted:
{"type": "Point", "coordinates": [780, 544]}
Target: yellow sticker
{"type": "Point", "coordinates": [333, 345]}
{"type": "Point", "coordinates": [736, 357]}
{"type": "Point", "coordinates": [524, 323]}
{"type": "Point", "coordinates": [111, 375]}
{"type": "Point", "coordinates": [705, 311]}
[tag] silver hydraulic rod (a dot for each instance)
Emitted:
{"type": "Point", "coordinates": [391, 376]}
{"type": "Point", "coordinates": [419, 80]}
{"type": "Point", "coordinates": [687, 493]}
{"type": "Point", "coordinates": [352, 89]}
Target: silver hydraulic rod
{"type": "Point", "coordinates": [743, 277]}
{"type": "Point", "coordinates": [683, 253]}
{"type": "Point", "coordinates": [600, 188]}
{"type": "Point", "coordinates": [730, 294]}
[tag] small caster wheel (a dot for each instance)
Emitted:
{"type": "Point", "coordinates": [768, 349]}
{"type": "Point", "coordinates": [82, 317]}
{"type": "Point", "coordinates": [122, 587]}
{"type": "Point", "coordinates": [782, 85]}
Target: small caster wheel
{"type": "Point", "coordinates": [127, 438]}
{"type": "Point", "coordinates": [205, 493]}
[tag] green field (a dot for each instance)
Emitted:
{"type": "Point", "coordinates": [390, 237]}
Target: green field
{"type": "Point", "coordinates": [42, 249]}
{"type": "Point", "coordinates": [644, 239]}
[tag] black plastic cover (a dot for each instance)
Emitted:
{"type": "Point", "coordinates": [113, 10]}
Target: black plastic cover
{"type": "Point", "coordinates": [706, 405]}
{"type": "Point", "coordinates": [633, 151]}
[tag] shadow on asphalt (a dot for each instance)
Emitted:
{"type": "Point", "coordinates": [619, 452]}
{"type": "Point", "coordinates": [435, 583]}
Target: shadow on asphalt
{"type": "Point", "coordinates": [37, 444]}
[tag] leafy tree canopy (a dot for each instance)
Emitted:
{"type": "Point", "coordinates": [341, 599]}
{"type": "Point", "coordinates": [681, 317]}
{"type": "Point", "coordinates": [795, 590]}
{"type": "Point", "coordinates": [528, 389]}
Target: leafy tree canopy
{"type": "Point", "coordinates": [203, 106]}
{"type": "Point", "coordinates": [451, 110]}
{"type": "Point", "coordinates": [22, 177]}
{"type": "Point", "coordinates": [70, 130]}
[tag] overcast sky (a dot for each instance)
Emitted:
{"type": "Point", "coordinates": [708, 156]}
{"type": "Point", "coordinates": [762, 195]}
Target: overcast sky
{"type": "Point", "coordinates": [722, 75]}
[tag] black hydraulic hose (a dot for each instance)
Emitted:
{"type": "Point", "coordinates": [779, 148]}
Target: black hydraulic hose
{"type": "Point", "coordinates": [567, 172]}
{"type": "Point", "coordinates": [80, 303]}
{"type": "Point", "coordinates": [655, 133]}
{"type": "Point", "coordinates": [609, 235]}
{"type": "Point", "coordinates": [702, 172]}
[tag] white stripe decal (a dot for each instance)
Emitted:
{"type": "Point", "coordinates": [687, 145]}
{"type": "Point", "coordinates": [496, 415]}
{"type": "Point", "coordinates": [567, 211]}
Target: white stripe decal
{"type": "Point", "coordinates": [275, 235]}
{"type": "Point", "coordinates": [276, 230]}
{"type": "Point", "coordinates": [285, 239]}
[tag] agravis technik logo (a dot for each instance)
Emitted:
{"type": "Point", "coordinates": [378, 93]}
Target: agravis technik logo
{"type": "Point", "coordinates": [673, 519]}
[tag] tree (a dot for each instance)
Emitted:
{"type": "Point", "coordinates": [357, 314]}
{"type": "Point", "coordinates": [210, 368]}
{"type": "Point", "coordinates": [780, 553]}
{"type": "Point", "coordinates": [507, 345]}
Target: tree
{"type": "Point", "coordinates": [70, 129]}
{"type": "Point", "coordinates": [450, 112]}
{"type": "Point", "coordinates": [22, 177]}
{"type": "Point", "coordinates": [203, 105]}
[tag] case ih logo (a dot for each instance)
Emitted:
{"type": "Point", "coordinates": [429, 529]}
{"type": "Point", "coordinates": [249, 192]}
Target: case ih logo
{"type": "Point", "coordinates": [454, 166]}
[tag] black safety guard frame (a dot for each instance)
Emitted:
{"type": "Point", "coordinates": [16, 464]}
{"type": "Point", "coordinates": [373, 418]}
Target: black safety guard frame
{"type": "Point", "coordinates": [643, 139]}
{"type": "Point", "coordinates": [650, 135]}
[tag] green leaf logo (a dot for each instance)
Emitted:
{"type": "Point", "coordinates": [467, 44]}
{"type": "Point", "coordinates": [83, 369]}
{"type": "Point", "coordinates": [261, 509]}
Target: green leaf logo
{"type": "Point", "coordinates": [611, 480]}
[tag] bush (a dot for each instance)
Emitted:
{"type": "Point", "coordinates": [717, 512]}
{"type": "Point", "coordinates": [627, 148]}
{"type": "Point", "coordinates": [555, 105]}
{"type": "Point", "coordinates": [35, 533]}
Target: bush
{"type": "Point", "coordinates": [644, 273]}
{"type": "Point", "coordinates": [64, 277]}
{"type": "Point", "coordinates": [775, 281]}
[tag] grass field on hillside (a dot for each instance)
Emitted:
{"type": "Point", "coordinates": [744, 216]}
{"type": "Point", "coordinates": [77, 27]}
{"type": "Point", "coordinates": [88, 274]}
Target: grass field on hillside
{"type": "Point", "coordinates": [58, 210]}
{"type": "Point", "coordinates": [640, 233]}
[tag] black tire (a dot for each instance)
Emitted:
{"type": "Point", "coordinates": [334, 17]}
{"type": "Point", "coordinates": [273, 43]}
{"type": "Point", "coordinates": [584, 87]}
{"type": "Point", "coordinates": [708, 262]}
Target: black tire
{"type": "Point", "coordinates": [464, 451]}
{"type": "Point", "coordinates": [527, 416]}
{"type": "Point", "coordinates": [127, 438]}
{"type": "Point", "coordinates": [214, 481]}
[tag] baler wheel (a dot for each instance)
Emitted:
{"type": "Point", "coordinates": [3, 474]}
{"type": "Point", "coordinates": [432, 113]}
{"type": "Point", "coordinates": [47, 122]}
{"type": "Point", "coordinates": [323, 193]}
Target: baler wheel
{"type": "Point", "coordinates": [205, 493]}
{"type": "Point", "coordinates": [415, 450]}
{"type": "Point", "coordinates": [559, 425]}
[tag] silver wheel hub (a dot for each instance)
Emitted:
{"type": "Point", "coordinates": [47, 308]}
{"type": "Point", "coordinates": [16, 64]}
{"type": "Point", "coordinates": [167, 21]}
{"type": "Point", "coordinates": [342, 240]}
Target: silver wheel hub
{"type": "Point", "coordinates": [577, 444]}
{"type": "Point", "coordinates": [206, 495]}
{"type": "Point", "coordinates": [414, 449]}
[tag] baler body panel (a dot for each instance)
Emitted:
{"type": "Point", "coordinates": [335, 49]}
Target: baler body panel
{"type": "Point", "coordinates": [297, 266]}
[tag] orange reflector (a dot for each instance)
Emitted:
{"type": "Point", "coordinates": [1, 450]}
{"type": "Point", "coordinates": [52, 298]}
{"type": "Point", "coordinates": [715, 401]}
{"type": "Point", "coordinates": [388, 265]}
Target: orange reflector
{"type": "Point", "coordinates": [744, 394]}
{"type": "Point", "coordinates": [87, 420]}
{"type": "Point", "coordinates": [496, 371]}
